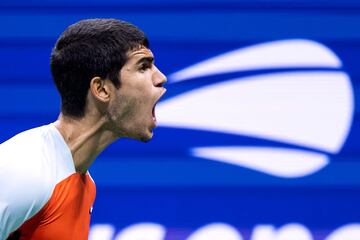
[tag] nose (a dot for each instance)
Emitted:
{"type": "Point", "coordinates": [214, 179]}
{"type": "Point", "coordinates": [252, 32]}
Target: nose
{"type": "Point", "coordinates": [159, 78]}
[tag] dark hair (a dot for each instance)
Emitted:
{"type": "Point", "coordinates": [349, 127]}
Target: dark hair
{"type": "Point", "coordinates": [87, 49]}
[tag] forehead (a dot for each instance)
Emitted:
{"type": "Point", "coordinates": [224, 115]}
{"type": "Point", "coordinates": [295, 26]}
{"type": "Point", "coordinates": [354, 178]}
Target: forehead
{"type": "Point", "coordinates": [138, 53]}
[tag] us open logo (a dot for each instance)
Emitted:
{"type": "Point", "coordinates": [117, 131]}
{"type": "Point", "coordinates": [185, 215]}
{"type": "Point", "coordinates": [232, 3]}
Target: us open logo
{"type": "Point", "coordinates": [297, 95]}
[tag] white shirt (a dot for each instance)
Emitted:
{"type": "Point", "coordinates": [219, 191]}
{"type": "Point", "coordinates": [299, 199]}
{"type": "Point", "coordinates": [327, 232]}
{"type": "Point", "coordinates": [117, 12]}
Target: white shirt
{"type": "Point", "coordinates": [31, 164]}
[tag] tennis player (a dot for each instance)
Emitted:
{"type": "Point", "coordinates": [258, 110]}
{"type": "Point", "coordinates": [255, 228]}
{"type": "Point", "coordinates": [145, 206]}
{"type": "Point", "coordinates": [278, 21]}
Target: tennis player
{"type": "Point", "coordinates": [109, 86]}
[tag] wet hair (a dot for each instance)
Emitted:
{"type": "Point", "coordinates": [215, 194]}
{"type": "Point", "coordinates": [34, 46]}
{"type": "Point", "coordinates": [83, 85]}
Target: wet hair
{"type": "Point", "coordinates": [87, 49]}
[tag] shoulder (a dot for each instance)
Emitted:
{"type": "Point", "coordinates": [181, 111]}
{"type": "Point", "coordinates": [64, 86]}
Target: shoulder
{"type": "Point", "coordinates": [38, 152]}
{"type": "Point", "coordinates": [29, 172]}
{"type": "Point", "coordinates": [23, 159]}
{"type": "Point", "coordinates": [27, 142]}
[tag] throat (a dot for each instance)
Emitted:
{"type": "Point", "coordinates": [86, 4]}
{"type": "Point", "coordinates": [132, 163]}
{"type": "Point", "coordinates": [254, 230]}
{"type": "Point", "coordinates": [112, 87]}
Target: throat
{"type": "Point", "coordinates": [85, 141]}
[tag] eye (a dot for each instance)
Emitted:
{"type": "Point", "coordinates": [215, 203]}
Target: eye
{"type": "Point", "coordinates": [144, 66]}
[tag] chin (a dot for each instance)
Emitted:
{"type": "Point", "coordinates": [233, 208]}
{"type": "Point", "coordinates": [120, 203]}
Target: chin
{"type": "Point", "coordinates": [145, 140]}
{"type": "Point", "coordinates": [144, 137]}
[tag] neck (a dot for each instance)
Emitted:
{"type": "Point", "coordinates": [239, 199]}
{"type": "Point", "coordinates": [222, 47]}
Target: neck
{"type": "Point", "coordinates": [85, 137]}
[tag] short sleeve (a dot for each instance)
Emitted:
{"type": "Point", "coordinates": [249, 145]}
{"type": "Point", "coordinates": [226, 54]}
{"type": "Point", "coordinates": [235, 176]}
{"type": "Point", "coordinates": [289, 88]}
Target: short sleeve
{"type": "Point", "coordinates": [24, 185]}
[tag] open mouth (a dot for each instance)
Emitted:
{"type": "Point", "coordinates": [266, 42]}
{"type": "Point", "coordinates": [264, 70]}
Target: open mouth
{"type": "Point", "coordinates": [153, 113]}
{"type": "Point", "coordinates": [153, 110]}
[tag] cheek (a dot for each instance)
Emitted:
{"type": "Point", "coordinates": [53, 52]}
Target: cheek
{"type": "Point", "coordinates": [128, 110]}
{"type": "Point", "coordinates": [142, 98]}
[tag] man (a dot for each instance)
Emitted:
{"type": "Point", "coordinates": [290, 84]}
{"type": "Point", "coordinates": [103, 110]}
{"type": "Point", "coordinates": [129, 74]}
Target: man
{"type": "Point", "coordinates": [109, 85]}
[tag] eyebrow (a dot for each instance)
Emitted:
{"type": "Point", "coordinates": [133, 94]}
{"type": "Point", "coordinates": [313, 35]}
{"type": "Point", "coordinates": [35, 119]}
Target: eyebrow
{"type": "Point", "coordinates": [145, 59]}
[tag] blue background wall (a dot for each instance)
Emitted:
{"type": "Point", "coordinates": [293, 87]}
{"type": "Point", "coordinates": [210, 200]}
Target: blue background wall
{"type": "Point", "coordinates": [161, 182]}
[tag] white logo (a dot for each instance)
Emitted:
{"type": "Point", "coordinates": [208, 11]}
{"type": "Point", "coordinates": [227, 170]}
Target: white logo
{"type": "Point", "coordinates": [220, 230]}
{"type": "Point", "coordinates": [310, 109]}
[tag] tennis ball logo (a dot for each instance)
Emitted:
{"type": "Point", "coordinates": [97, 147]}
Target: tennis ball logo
{"type": "Point", "coordinates": [305, 102]}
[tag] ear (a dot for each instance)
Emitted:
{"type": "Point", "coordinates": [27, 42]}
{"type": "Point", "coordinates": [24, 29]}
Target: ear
{"type": "Point", "coordinates": [100, 89]}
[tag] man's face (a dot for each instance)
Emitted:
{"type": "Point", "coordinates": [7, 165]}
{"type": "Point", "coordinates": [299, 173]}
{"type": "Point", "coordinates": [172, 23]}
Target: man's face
{"type": "Point", "coordinates": [132, 107]}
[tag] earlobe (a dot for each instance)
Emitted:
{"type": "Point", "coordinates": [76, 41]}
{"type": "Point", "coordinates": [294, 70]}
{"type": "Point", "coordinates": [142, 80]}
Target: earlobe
{"type": "Point", "coordinates": [99, 89]}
